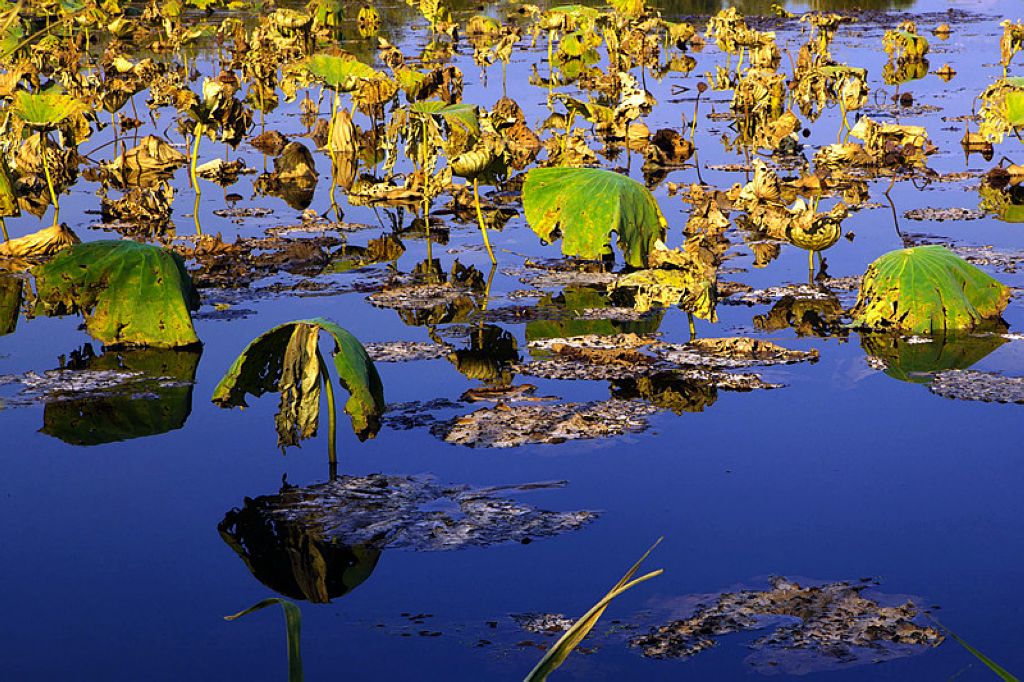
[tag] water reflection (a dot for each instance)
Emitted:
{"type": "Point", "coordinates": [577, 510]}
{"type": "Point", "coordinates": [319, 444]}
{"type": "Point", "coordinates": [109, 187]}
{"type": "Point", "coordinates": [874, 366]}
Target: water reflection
{"type": "Point", "coordinates": [155, 396]}
{"type": "Point", "coordinates": [917, 359]}
{"type": "Point", "coordinates": [294, 560]}
{"type": "Point", "coordinates": [321, 541]}
{"type": "Point", "coordinates": [579, 310]}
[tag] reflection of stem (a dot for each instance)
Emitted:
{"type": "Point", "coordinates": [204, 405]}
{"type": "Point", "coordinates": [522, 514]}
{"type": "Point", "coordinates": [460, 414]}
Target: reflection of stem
{"type": "Point", "coordinates": [195, 216]}
{"type": "Point", "coordinates": [483, 227]}
{"type": "Point", "coordinates": [332, 425]}
{"type": "Point", "coordinates": [49, 179]}
{"type": "Point", "coordinates": [487, 289]}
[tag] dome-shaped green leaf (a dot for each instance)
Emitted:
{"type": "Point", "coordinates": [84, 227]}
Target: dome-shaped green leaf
{"type": "Point", "coordinates": [584, 206]}
{"type": "Point", "coordinates": [927, 289]}
{"type": "Point", "coordinates": [129, 293]}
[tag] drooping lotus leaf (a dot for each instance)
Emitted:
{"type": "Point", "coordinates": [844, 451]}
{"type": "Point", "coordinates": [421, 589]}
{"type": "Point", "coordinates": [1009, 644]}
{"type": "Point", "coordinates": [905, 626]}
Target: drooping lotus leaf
{"type": "Point", "coordinates": [129, 293]}
{"type": "Point", "coordinates": [927, 289]}
{"type": "Point", "coordinates": [284, 360]}
{"type": "Point", "coordinates": [464, 115]}
{"type": "Point", "coordinates": [585, 206]}
{"type": "Point", "coordinates": [158, 401]}
{"type": "Point", "coordinates": [45, 109]}
{"type": "Point", "coordinates": [917, 360]}
{"type": "Point", "coordinates": [339, 73]}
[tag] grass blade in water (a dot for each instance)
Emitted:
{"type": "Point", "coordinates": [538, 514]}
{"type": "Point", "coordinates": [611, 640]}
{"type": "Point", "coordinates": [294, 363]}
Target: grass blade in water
{"type": "Point", "coordinates": [992, 665]}
{"type": "Point", "coordinates": [293, 625]}
{"type": "Point", "coordinates": [561, 649]}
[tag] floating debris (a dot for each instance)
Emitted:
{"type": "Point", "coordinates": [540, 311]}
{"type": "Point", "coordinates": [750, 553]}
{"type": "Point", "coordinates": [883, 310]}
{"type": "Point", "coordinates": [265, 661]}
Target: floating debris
{"type": "Point", "coordinates": [414, 513]}
{"type": "Point", "coordinates": [987, 256]}
{"type": "Point", "coordinates": [817, 628]}
{"type": "Point", "coordinates": [770, 294]}
{"type": "Point", "coordinates": [407, 351]}
{"type": "Point", "coordinates": [732, 353]}
{"type": "Point", "coordinates": [76, 384]}
{"type": "Point", "coordinates": [507, 427]}
{"type": "Point", "coordinates": [416, 296]}
{"type": "Point", "coordinates": [543, 623]}
{"type": "Point", "coordinates": [943, 214]}
{"type": "Point", "coordinates": [494, 394]}
{"type": "Point", "coordinates": [962, 384]}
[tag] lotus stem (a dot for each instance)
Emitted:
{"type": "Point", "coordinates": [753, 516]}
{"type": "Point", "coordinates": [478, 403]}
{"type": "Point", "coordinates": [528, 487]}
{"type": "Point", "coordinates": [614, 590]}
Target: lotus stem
{"type": "Point", "coordinates": [332, 424]}
{"type": "Point", "coordinates": [693, 329]}
{"type": "Point", "coordinates": [483, 226]}
{"type": "Point", "coordinates": [198, 132]}
{"type": "Point", "coordinates": [49, 179]}
{"type": "Point", "coordinates": [810, 262]}
{"type": "Point", "coordinates": [3, 226]}
{"type": "Point", "coordinates": [693, 124]}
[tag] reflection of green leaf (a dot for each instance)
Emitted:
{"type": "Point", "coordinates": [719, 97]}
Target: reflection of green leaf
{"type": "Point", "coordinates": [668, 391]}
{"type": "Point", "coordinates": [490, 351]}
{"type": "Point", "coordinates": [585, 206]}
{"type": "Point", "coordinates": [1006, 203]}
{"type": "Point", "coordinates": [927, 289]}
{"type": "Point", "coordinates": [293, 627]}
{"type": "Point", "coordinates": [575, 299]}
{"type": "Point", "coordinates": [284, 360]}
{"type": "Point", "coordinates": [917, 362]}
{"type": "Point", "coordinates": [291, 558]}
{"type": "Point", "coordinates": [561, 649]}
{"type": "Point", "coordinates": [95, 420]}
{"type": "Point", "coordinates": [129, 293]}
{"type": "Point", "coordinates": [10, 303]}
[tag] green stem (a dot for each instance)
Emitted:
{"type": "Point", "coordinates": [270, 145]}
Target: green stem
{"type": "Point", "coordinates": [49, 179]}
{"type": "Point", "coordinates": [483, 227]}
{"type": "Point", "coordinates": [3, 226]}
{"type": "Point", "coordinates": [332, 425]}
{"type": "Point", "coordinates": [198, 132]}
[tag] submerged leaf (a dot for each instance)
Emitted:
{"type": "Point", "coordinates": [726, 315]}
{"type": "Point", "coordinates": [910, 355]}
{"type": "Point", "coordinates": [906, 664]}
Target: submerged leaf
{"type": "Point", "coordinates": [585, 206]}
{"type": "Point", "coordinates": [927, 289]}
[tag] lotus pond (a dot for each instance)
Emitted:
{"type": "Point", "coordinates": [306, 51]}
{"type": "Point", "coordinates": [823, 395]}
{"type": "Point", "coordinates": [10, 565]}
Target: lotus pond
{"type": "Point", "coordinates": [429, 319]}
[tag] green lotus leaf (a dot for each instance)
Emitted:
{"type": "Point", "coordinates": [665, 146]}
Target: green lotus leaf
{"type": "Point", "coordinates": [464, 115]}
{"type": "Point", "coordinates": [45, 109]}
{"type": "Point", "coordinates": [585, 206]}
{"type": "Point", "coordinates": [927, 289]}
{"type": "Point", "coordinates": [339, 73]}
{"type": "Point", "coordinates": [284, 360]}
{"type": "Point", "coordinates": [129, 293]}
